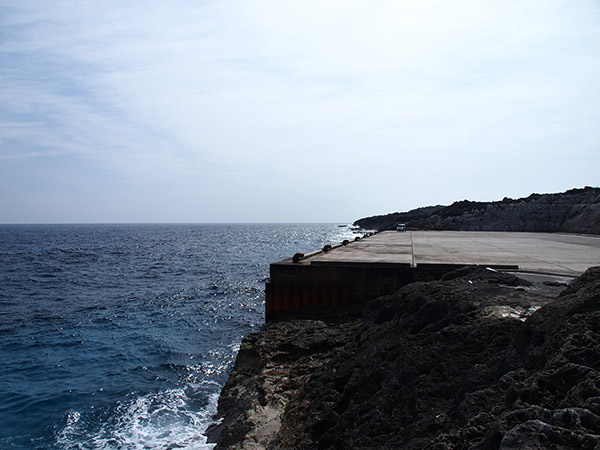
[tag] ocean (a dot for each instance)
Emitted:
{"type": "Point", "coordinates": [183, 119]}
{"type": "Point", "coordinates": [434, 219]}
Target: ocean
{"type": "Point", "coordinates": [121, 336]}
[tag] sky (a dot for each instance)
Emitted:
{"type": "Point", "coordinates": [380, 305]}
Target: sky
{"type": "Point", "coordinates": [289, 111]}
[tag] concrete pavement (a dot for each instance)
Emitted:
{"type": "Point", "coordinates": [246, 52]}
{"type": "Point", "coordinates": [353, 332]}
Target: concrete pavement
{"type": "Point", "coordinates": [552, 253]}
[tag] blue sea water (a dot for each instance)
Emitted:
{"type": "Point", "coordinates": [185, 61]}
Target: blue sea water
{"type": "Point", "coordinates": [121, 336]}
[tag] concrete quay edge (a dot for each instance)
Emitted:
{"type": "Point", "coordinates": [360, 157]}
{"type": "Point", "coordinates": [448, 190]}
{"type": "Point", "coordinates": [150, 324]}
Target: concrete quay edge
{"type": "Point", "coordinates": [383, 262]}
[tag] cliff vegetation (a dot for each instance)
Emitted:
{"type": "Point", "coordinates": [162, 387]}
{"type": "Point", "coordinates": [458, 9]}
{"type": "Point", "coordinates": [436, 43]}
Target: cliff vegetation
{"type": "Point", "coordinates": [573, 211]}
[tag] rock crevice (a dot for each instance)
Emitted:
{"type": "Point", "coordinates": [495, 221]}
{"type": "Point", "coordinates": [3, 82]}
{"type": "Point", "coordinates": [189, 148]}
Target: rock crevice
{"type": "Point", "coordinates": [441, 365]}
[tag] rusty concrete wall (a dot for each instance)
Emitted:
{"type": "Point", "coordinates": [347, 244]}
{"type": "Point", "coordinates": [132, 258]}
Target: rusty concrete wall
{"type": "Point", "coordinates": [297, 287]}
{"type": "Point", "coordinates": [294, 287]}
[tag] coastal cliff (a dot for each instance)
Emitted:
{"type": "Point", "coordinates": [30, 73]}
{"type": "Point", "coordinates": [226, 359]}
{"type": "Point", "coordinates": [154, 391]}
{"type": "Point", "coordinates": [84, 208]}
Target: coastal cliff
{"type": "Point", "coordinates": [479, 359]}
{"type": "Point", "coordinates": [573, 211]}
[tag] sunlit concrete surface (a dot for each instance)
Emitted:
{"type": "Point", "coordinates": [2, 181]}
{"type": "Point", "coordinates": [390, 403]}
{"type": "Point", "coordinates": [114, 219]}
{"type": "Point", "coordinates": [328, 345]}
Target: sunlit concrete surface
{"type": "Point", "coordinates": [553, 253]}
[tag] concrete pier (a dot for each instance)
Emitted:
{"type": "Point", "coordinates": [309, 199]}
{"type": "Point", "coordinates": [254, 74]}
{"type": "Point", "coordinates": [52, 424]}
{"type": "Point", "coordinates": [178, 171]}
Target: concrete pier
{"type": "Point", "coordinates": [381, 264]}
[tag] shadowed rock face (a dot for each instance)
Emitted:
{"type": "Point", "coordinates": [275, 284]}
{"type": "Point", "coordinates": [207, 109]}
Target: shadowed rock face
{"type": "Point", "coordinates": [271, 367]}
{"type": "Point", "coordinates": [478, 360]}
{"type": "Point", "coordinates": [574, 211]}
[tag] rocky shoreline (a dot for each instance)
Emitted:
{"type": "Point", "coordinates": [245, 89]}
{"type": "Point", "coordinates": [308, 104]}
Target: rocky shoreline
{"type": "Point", "coordinates": [573, 211]}
{"type": "Point", "coordinates": [479, 359]}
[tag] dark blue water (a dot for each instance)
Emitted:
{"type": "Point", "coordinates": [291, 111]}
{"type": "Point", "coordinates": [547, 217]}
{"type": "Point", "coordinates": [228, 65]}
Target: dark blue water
{"type": "Point", "coordinates": [121, 336]}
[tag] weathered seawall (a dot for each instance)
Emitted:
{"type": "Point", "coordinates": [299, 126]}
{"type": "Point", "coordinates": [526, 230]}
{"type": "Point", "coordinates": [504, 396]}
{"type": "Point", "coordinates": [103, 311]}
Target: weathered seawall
{"type": "Point", "coordinates": [479, 359]}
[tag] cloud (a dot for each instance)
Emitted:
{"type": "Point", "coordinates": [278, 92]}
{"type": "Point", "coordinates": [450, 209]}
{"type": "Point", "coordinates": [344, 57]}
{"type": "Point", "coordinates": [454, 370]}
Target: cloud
{"type": "Point", "coordinates": [255, 99]}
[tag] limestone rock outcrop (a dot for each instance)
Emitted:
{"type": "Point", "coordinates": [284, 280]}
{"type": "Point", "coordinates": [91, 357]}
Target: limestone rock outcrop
{"type": "Point", "coordinates": [271, 367]}
{"type": "Point", "coordinates": [476, 360]}
{"type": "Point", "coordinates": [573, 211]}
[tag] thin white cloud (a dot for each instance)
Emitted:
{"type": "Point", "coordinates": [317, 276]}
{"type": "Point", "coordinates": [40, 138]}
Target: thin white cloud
{"type": "Point", "coordinates": [223, 96]}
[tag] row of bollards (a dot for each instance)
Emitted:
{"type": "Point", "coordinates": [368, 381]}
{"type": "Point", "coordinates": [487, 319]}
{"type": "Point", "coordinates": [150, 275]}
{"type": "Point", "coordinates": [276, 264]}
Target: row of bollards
{"type": "Point", "coordinates": [298, 257]}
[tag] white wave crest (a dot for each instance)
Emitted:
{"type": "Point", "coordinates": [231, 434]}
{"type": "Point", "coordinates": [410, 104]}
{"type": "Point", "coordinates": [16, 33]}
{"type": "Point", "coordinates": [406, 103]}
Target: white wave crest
{"type": "Point", "coordinates": [155, 421]}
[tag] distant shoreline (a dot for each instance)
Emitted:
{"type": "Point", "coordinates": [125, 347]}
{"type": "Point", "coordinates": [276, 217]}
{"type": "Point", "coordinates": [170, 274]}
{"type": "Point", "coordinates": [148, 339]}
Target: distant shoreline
{"type": "Point", "coordinates": [572, 211]}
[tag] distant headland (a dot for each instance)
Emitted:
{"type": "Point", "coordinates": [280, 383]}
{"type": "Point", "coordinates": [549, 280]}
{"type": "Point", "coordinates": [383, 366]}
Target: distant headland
{"type": "Point", "coordinates": [573, 211]}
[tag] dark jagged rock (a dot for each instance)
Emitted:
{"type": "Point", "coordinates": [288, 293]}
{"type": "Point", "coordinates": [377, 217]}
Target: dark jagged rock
{"type": "Point", "coordinates": [478, 360]}
{"type": "Point", "coordinates": [271, 366]}
{"type": "Point", "coordinates": [573, 211]}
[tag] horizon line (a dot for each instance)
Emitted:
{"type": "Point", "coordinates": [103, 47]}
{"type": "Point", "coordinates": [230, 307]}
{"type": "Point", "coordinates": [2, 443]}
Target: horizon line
{"type": "Point", "coordinates": [176, 223]}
